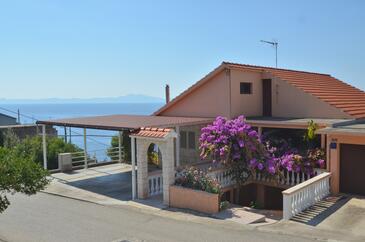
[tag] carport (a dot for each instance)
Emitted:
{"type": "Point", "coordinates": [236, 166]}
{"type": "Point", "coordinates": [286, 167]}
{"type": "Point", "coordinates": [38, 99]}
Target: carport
{"type": "Point", "coordinates": [120, 123]}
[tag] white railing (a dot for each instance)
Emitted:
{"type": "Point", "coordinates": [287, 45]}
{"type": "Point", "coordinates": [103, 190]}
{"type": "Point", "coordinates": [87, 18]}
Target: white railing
{"type": "Point", "coordinates": [290, 178]}
{"type": "Point", "coordinates": [302, 196]}
{"type": "Point", "coordinates": [222, 176]}
{"type": "Point", "coordinates": [155, 184]}
{"type": "Point", "coordinates": [112, 154]}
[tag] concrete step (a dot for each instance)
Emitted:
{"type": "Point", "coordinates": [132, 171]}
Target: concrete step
{"type": "Point", "coordinates": [240, 215]}
{"type": "Point", "coordinates": [317, 209]}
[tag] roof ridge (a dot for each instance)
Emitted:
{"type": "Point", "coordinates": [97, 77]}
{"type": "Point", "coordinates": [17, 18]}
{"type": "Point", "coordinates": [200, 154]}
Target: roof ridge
{"type": "Point", "coordinates": [273, 68]}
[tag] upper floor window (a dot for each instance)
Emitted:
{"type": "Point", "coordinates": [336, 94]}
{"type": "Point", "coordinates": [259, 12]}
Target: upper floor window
{"type": "Point", "coordinates": [246, 88]}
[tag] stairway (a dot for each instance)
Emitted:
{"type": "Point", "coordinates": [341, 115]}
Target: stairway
{"type": "Point", "coordinates": [321, 210]}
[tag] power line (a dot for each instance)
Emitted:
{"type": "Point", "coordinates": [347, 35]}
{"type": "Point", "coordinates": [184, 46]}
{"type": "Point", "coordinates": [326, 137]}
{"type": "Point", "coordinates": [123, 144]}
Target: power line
{"type": "Point", "coordinates": [34, 119]}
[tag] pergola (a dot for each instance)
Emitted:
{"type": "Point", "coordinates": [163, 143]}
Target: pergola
{"type": "Point", "coordinates": [120, 123]}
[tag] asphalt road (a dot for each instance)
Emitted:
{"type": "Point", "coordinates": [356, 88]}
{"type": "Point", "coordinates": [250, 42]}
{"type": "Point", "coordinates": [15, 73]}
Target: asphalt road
{"type": "Point", "coordinates": [51, 218]}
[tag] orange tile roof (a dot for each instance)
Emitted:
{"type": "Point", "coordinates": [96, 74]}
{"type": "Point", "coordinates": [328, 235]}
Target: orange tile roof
{"type": "Point", "coordinates": [152, 132]}
{"type": "Point", "coordinates": [341, 95]}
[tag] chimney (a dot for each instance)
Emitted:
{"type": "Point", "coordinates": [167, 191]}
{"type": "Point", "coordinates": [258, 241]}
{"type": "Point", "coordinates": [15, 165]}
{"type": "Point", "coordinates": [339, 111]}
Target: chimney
{"type": "Point", "coordinates": [167, 93]}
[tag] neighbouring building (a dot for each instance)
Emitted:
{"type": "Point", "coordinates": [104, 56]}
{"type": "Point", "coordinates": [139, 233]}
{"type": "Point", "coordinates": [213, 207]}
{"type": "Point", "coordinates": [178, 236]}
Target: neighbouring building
{"type": "Point", "coordinates": [7, 120]}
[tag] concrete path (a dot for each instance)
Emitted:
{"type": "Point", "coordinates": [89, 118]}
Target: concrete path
{"type": "Point", "coordinates": [240, 215]}
{"type": "Point", "coordinates": [45, 217]}
{"type": "Point", "coordinates": [345, 223]}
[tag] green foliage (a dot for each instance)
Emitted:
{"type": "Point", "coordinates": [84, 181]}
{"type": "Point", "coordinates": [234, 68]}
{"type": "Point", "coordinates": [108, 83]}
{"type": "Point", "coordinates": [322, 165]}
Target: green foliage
{"type": "Point", "coordinates": [311, 131]}
{"type": "Point", "coordinates": [223, 205]}
{"type": "Point", "coordinates": [18, 173]}
{"type": "Point", "coordinates": [33, 148]}
{"type": "Point", "coordinates": [8, 138]}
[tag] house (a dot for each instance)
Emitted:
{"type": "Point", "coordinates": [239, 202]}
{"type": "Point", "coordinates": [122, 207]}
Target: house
{"type": "Point", "coordinates": [279, 98]}
{"type": "Point", "coordinates": [270, 98]}
{"type": "Point", "coordinates": [7, 120]}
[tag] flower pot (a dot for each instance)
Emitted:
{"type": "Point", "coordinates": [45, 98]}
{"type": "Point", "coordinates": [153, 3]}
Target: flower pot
{"type": "Point", "coordinates": [181, 197]}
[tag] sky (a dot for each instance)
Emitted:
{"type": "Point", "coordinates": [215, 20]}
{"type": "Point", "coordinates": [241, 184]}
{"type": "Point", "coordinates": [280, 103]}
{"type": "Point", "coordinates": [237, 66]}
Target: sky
{"type": "Point", "coordinates": [83, 49]}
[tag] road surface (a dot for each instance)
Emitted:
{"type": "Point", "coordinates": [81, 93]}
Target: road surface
{"type": "Point", "coordinates": [45, 217]}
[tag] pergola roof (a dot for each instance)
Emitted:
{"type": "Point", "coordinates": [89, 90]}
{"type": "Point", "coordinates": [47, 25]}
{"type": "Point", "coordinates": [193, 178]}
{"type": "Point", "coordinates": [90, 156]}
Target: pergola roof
{"type": "Point", "coordinates": [126, 122]}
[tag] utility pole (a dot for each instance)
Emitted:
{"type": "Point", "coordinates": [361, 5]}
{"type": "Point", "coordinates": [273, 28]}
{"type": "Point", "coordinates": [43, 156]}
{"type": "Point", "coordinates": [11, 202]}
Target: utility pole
{"type": "Point", "coordinates": [69, 129]}
{"type": "Point", "coordinates": [18, 116]}
{"type": "Point", "coordinates": [275, 45]}
{"type": "Point", "coordinates": [65, 128]}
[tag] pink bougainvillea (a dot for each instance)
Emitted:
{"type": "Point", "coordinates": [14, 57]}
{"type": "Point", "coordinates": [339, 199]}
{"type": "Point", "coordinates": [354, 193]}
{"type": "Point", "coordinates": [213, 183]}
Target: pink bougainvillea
{"type": "Point", "coordinates": [236, 144]}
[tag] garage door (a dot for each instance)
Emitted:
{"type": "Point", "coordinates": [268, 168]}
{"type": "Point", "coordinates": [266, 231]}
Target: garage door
{"type": "Point", "coordinates": [352, 169]}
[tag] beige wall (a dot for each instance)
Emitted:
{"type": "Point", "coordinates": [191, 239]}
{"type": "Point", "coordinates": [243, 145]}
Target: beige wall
{"type": "Point", "coordinates": [209, 100]}
{"type": "Point", "coordinates": [289, 101]}
{"type": "Point", "coordinates": [246, 104]}
{"type": "Point", "coordinates": [334, 156]}
{"type": "Point", "coordinates": [221, 96]}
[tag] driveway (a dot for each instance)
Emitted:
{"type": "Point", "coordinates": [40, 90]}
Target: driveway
{"type": "Point", "coordinates": [350, 218]}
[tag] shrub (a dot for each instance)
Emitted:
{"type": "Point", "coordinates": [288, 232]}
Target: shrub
{"type": "Point", "coordinates": [32, 147]}
{"type": "Point", "coordinates": [196, 179]}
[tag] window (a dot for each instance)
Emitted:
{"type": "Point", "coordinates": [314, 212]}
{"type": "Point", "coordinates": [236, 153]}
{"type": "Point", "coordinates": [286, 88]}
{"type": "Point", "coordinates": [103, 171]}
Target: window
{"type": "Point", "coordinates": [191, 137]}
{"type": "Point", "coordinates": [183, 140]}
{"type": "Point", "coordinates": [246, 88]}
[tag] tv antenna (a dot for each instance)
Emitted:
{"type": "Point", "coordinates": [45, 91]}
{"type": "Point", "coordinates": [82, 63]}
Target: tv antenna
{"type": "Point", "coordinates": [275, 45]}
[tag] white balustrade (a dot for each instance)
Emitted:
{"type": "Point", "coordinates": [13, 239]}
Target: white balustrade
{"type": "Point", "coordinates": [155, 185]}
{"type": "Point", "coordinates": [222, 176]}
{"type": "Point", "coordinates": [302, 196]}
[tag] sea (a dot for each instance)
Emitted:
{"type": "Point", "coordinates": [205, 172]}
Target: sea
{"type": "Point", "coordinates": [97, 140]}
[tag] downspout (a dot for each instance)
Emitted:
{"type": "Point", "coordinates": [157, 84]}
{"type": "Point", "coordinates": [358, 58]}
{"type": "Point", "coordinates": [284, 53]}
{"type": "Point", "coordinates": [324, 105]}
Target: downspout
{"type": "Point", "coordinates": [228, 72]}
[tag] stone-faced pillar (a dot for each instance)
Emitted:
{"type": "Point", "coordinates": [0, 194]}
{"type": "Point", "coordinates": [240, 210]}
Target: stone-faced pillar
{"type": "Point", "coordinates": [168, 168]}
{"type": "Point", "coordinates": [142, 168]}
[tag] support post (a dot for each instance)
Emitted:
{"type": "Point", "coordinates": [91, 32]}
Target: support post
{"type": "Point", "coordinates": [323, 141]}
{"type": "Point", "coordinates": [177, 146]}
{"type": "Point", "coordinates": [44, 146]}
{"type": "Point", "coordinates": [85, 150]}
{"type": "Point", "coordinates": [133, 151]}
{"type": "Point", "coordinates": [259, 131]}
{"type": "Point", "coordinates": [120, 133]}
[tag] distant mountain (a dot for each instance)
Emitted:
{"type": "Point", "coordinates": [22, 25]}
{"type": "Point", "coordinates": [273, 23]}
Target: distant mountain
{"type": "Point", "coordinates": [131, 98]}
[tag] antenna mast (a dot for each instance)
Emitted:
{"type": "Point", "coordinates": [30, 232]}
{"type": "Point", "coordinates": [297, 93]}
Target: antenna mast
{"type": "Point", "coordinates": [275, 45]}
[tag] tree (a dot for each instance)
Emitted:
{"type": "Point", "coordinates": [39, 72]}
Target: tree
{"type": "Point", "coordinates": [32, 146]}
{"type": "Point", "coordinates": [18, 173]}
